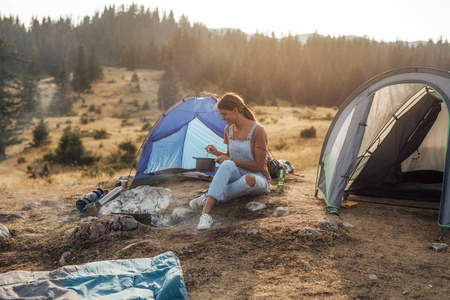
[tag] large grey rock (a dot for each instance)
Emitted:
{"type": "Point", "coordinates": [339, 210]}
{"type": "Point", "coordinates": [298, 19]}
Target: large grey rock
{"type": "Point", "coordinates": [4, 233]}
{"type": "Point", "coordinates": [146, 198]}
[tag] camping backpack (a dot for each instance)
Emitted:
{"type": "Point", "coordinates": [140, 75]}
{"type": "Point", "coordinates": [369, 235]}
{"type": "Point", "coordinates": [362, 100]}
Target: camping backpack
{"type": "Point", "coordinates": [275, 166]}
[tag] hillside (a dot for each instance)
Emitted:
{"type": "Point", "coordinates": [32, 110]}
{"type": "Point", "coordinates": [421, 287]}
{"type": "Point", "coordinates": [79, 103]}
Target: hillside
{"type": "Point", "coordinates": [247, 255]}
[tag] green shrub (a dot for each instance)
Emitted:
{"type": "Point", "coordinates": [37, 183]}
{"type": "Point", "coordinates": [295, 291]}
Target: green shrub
{"type": "Point", "coordinates": [129, 151]}
{"type": "Point", "coordinates": [308, 132]}
{"type": "Point", "coordinates": [84, 119]}
{"type": "Point", "coordinates": [21, 160]}
{"type": "Point", "coordinates": [281, 144]}
{"type": "Point", "coordinates": [90, 171]}
{"type": "Point", "coordinates": [123, 157]}
{"type": "Point", "coordinates": [101, 134]}
{"type": "Point", "coordinates": [146, 106]}
{"type": "Point", "coordinates": [146, 127]}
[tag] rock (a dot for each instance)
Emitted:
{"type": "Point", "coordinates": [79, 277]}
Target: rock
{"type": "Point", "coordinates": [252, 232]}
{"type": "Point", "coordinates": [347, 224]}
{"type": "Point", "coordinates": [255, 206]}
{"type": "Point", "coordinates": [62, 260]}
{"type": "Point", "coordinates": [439, 247]}
{"type": "Point", "coordinates": [8, 193]}
{"type": "Point", "coordinates": [182, 213]}
{"type": "Point", "coordinates": [128, 223]}
{"type": "Point", "coordinates": [146, 198]}
{"type": "Point", "coordinates": [78, 194]}
{"type": "Point", "coordinates": [114, 223]}
{"type": "Point", "coordinates": [7, 216]}
{"type": "Point", "coordinates": [4, 233]}
{"type": "Point", "coordinates": [373, 277]}
{"type": "Point", "coordinates": [307, 231]}
{"type": "Point", "coordinates": [69, 231]}
{"type": "Point", "coordinates": [281, 212]}
{"type": "Point", "coordinates": [31, 205]}
{"type": "Point", "coordinates": [328, 225]}
{"type": "Point", "coordinates": [107, 225]}
{"type": "Point", "coordinates": [73, 184]}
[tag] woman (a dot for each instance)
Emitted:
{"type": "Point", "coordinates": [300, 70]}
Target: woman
{"type": "Point", "coordinates": [243, 169]}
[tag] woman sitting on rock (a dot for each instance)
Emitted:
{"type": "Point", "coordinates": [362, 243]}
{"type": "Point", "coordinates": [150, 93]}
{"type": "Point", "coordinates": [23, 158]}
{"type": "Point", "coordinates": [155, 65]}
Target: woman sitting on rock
{"type": "Point", "coordinates": [243, 169]}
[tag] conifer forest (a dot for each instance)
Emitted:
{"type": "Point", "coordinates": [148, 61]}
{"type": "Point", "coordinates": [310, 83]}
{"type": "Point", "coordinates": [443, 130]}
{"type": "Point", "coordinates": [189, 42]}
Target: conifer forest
{"type": "Point", "coordinates": [265, 69]}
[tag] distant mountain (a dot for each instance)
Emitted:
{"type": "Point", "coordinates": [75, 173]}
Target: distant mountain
{"type": "Point", "coordinates": [303, 38]}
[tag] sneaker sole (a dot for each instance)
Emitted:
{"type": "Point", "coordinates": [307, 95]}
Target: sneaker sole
{"type": "Point", "coordinates": [204, 227]}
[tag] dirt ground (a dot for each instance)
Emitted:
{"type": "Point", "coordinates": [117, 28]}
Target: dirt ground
{"type": "Point", "coordinates": [251, 255]}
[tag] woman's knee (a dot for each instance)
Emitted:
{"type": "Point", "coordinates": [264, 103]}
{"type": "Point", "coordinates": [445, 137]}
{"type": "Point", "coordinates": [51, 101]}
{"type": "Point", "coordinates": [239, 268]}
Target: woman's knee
{"type": "Point", "coordinates": [227, 164]}
{"type": "Point", "coordinates": [250, 180]}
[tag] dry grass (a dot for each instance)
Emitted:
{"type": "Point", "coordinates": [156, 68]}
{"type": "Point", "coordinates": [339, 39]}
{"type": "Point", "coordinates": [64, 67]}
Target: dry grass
{"type": "Point", "coordinates": [227, 262]}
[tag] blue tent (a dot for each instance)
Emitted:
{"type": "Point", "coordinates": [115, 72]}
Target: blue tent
{"type": "Point", "coordinates": [178, 136]}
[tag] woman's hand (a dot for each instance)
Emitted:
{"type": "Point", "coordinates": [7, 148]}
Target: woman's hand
{"type": "Point", "coordinates": [211, 149]}
{"type": "Point", "coordinates": [221, 158]}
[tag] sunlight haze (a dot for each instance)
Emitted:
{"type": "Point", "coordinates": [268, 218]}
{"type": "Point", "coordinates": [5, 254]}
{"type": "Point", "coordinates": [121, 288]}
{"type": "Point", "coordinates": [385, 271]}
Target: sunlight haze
{"type": "Point", "coordinates": [381, 20]}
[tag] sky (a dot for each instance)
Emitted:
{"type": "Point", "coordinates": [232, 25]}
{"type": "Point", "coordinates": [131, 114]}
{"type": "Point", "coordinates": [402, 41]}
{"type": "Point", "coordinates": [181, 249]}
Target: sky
{"type": "Point", "coordinates": [382, 20]}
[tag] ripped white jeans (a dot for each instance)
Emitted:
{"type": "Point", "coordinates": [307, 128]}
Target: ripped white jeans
{"type": "Point", "coordinates": [229, 183]}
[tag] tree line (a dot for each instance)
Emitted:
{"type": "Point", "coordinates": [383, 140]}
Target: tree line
{"type": "Point", "coordinates": [261, 67]}
{"type": "Point", "coordinates": [266, 70]}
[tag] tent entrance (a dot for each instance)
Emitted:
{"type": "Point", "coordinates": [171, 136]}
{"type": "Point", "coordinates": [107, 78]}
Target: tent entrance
{"type": "Point", "coordinates": [398, 163]}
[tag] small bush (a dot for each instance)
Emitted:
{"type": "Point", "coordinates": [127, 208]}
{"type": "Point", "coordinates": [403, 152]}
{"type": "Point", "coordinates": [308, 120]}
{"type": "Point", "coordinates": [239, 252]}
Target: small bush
{"type": "Point", "coordinates": [124, 156]}
{"type": "Point", "coordinates": [134, 102]}
{"type": "Point", "coordinates": [101, 134]}
{"type": "Point", "coordinates": [146, 106]}
{"type": "Point", "coordinates": [146, 127]}
{"type": "Point", "coordinates": [281, 144]}
{"type": "Point", "coordinates": [90, 171]}
{"type": "Point", "coordinates": [84, 119]}
{"type": "Point", "coordinates": [308, 132]}
{"type": "Point", "coordinates": [21, 160]}
{"type": "Point", "coordinates": [46, 170]}
{"type": "Point", "coordinates": [134, 78]}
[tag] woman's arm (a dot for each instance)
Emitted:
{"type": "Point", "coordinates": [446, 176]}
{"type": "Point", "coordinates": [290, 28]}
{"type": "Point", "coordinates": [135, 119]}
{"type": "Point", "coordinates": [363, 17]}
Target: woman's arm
{"type": "Point", "coordinates": [256, 165]}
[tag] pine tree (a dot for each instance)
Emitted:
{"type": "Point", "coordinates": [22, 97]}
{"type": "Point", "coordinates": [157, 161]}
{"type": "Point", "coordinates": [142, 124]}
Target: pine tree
{"type": "Point", "coordinates": [34, 67]}
{"type": "Point", "coordinates": [94, 65]}
{"type": "Point", "coordinates": [41, 135]}
{"type": "Point", "coordinates": [61, 103]}
{"type": "Point", "coordinates": [30, 96]}
{"type": "Point", "coordinates": [168, 88]}
{"type": "Point", "coordinates": [80, 81]}
{"type": "Point", "coordinates": [10, 101]}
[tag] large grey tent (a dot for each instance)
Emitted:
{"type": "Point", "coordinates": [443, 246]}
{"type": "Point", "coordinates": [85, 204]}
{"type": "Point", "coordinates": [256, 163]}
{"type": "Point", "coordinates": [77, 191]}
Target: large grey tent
{"type": "Point", "coordinates": [390, 139]}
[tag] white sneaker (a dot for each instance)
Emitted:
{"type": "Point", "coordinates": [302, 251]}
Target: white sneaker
{"type": "Point", "coordinates": [198, 202]}
{"type": "Point", "coordinates": [205, 222]}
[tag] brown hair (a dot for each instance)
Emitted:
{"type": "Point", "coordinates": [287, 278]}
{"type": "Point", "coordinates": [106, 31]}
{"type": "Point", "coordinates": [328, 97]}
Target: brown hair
{"type": "Point", "coordinates": [231, 100]}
